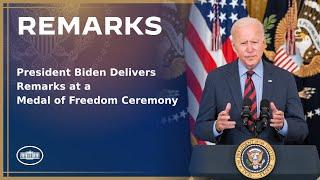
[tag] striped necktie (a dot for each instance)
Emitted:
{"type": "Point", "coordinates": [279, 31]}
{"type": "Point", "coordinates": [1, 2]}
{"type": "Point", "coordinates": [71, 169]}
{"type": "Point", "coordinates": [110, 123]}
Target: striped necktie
{"type": "Point", "coordinates": [250, 93]}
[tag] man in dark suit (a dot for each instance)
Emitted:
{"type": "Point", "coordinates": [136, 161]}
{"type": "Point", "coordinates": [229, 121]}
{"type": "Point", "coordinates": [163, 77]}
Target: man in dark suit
{"type": "Point", "coordinates": [219, 119]}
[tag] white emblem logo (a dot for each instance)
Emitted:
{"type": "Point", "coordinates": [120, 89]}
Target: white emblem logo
{"type": "Point", "coordinates": [29, 155]}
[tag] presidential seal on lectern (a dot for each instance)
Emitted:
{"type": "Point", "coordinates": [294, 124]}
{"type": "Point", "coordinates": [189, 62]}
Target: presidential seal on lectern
{"type": "Point", "coordinates": [255, 158]}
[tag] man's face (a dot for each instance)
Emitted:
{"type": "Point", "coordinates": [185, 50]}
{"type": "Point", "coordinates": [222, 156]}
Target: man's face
{"type": "Point", "coordinates": [249, 45]}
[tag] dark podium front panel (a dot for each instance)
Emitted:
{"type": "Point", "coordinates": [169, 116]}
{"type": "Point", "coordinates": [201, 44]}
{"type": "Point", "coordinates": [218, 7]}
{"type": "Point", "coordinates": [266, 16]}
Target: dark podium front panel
{"type": "Point", "coordinates": [292, 162]}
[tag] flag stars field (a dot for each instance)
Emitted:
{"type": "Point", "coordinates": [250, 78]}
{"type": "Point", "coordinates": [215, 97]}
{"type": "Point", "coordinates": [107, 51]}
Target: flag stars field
{"type": "Point", "coordinates": [311, 114]}
{"type": "Point", "coordinates": [234, 3]}
{"type": "Point", "coordinates": [233, 17]}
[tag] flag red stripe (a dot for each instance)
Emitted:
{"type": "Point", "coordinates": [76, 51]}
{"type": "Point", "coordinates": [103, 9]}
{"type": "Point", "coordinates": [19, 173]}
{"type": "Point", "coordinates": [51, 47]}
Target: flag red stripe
{"type": "Point", "coordinates": [279, 57]}
{"type": "Point", "coordinates": [193, 84]}
{"type": "Point", "coordinates": [201, 142]}
{"type": "Point", "coordinates": [289, 64]}
{"type": "Point", "coordinates": [197, 44]}
{"type": "Point", "coordinates": [228, 52]}
{"type": "Point", "coordinates": [192, 124]}
{"type": "Point", "coordinates": [285, 62]}
{"type": "Point", "coordinates": [293, 67]}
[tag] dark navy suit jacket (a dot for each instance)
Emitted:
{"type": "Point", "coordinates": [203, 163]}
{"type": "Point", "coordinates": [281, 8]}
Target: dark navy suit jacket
{"type": "Point", "coordinates": [223, 86]}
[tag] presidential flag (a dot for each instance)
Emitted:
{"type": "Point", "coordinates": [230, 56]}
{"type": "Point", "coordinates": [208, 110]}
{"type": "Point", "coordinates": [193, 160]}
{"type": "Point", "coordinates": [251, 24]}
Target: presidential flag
{"type": "Point", "coordinates": [208, 45]}
{"type": "Point", "coordinates": [308, 75]}
{"type": "Point", "coordinates": [303, 17]}
{"type": "Point", "coordinates": [280, 23]}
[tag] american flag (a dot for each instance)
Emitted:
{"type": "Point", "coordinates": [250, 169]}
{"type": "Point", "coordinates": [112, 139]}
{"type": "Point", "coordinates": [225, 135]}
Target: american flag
{"type": "Point", "coordinates": [285, 61]}
{"type": "Point", "coordinates": [200, 57]}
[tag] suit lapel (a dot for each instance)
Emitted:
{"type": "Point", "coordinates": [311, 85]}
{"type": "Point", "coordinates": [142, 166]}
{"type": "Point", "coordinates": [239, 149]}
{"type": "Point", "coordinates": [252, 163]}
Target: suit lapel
{"type": "Point", "coordinates": [233, 80]}
{"type": "Point", "coordinates": [267, 81]}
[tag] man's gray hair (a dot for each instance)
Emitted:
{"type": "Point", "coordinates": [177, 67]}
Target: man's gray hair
{"type": "Point", "coordinates": [244, 22]}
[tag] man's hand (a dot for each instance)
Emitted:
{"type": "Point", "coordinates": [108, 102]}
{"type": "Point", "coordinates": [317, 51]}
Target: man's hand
{"type": "Point", "coordinates": [223, 122]}
{"type": "Point", "coordinates": [277, 120]}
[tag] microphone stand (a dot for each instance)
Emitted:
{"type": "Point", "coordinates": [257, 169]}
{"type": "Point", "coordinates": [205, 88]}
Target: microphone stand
{"type": "Point", "coordinates": [259, 126]}
{"type": "Point", "coordinates": [255, 131]}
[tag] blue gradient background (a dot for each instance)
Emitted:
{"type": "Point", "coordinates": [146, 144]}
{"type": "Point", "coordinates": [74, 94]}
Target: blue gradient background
{"type": "Point", "coordinates": [98, 140]}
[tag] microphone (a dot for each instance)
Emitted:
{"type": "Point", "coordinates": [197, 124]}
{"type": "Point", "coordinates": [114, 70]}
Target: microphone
{"type": "Point", "coordinates": [245, 113]}
{"type": "Point", "coordinates": [264, 115]}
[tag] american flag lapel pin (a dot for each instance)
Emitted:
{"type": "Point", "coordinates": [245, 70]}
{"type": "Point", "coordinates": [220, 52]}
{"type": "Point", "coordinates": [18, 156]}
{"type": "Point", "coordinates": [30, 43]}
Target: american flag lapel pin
{"type": "Point", "coordinates": [269, 80]}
